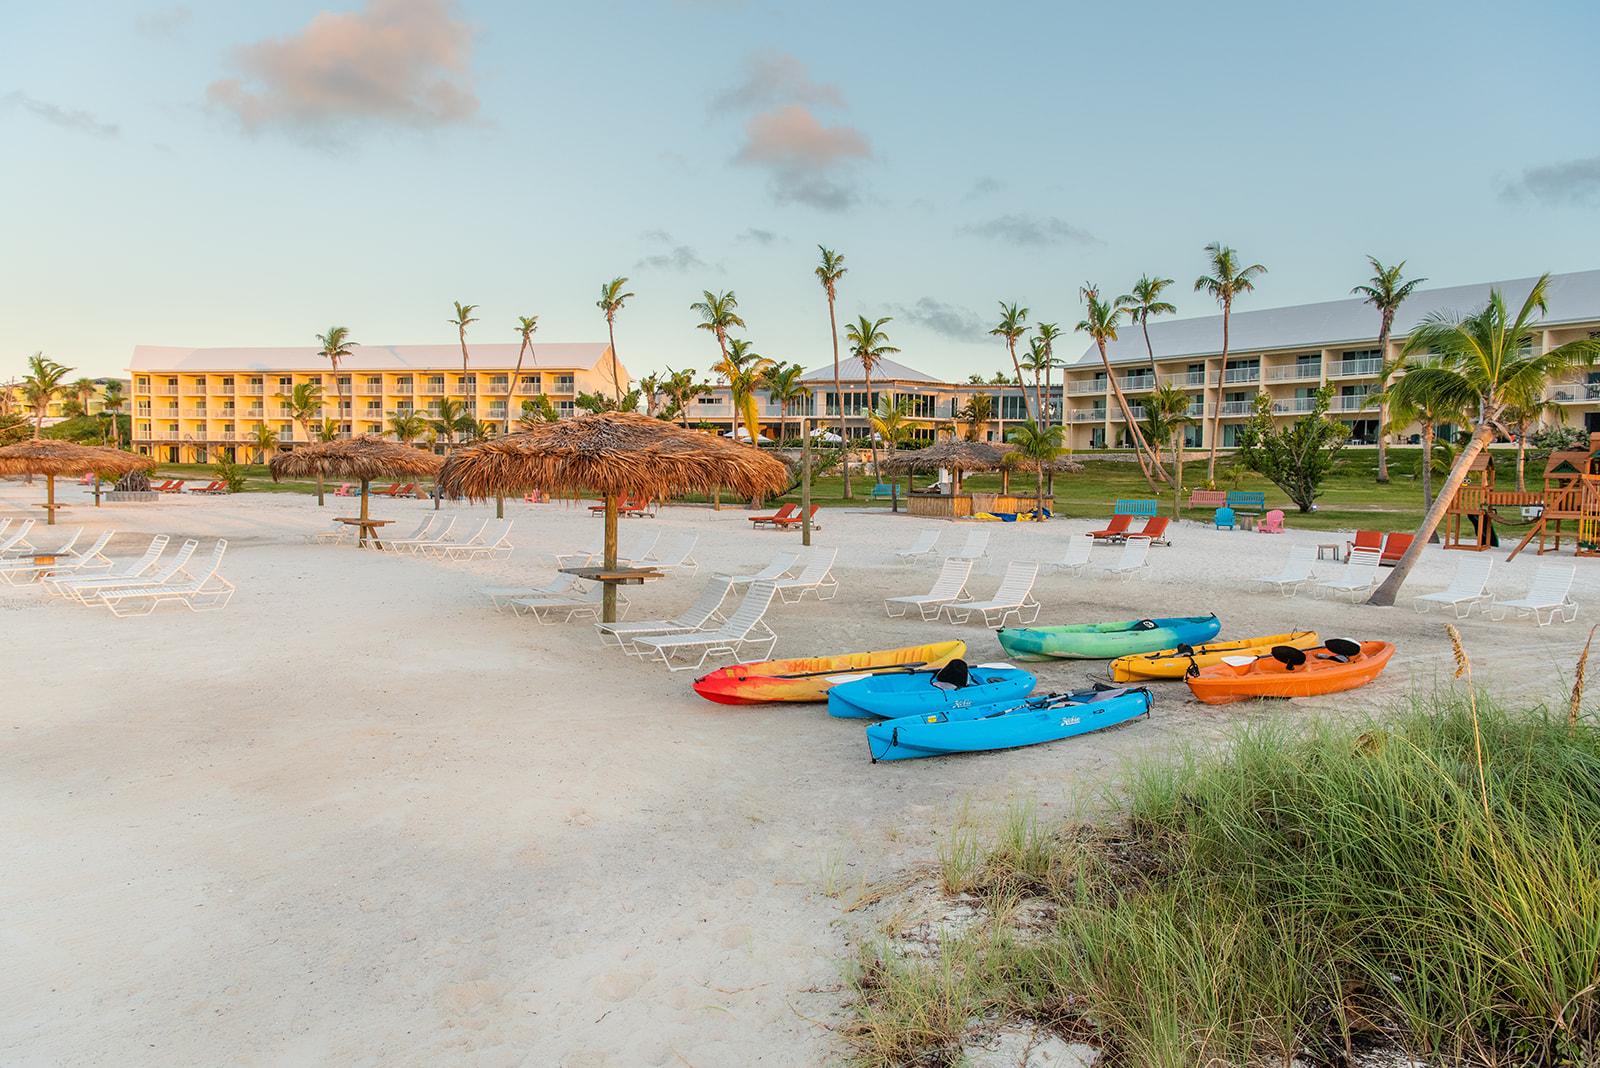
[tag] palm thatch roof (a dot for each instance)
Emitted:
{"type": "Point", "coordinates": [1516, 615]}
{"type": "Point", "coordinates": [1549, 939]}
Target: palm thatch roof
{"type": "Point", "coordinates": [1061, 465]}
{"type": "Point", "coordinates": [365, 458]}
{"type": "Point", "coordinates": [611, 454]}
{"type": "Point", "coordinates": [56, 458]}
{"type": "Point", "coordinates": [958, 456]}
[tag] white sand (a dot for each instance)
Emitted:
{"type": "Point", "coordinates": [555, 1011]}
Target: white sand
{"type": "Point", "coordinates": [358, 817]}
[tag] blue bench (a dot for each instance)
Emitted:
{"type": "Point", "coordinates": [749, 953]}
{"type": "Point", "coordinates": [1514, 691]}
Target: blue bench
{"type": "Point", "coordinates": [1134, 507]}
{"type": "Point", "coordinates": [883, 489]}
{"type": "Point", "coordinates": [1247, 501]}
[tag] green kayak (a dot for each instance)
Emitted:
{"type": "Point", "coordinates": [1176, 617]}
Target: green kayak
{"type": "Point", "coordinates": [1107, 641]}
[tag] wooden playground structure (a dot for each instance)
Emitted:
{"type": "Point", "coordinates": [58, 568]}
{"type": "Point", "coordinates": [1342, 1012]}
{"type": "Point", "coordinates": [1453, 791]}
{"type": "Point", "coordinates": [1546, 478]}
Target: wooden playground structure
{"type": "Point", "coordinates": [1571, 494]}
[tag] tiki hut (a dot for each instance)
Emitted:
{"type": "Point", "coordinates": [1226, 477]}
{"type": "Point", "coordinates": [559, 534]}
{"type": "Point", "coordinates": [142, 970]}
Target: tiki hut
{"type": "Point", "coordinates": [51, 458]}
{"type": "Point", "coordinates": [959, 458]}
{"type": "Point", "coordinates": [612, 454]}
{"type": "Point", "coordinates": [363, 459]}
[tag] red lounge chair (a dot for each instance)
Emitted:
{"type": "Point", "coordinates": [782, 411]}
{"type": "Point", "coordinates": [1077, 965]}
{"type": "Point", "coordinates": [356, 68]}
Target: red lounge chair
{"type": "Point", "coordinates": [788, 511]}
{"type": "Point", "coordinates": [409, 490]}
{"type": "Point", "coordinates": [209, 487]}
{"type": "Point", "coordinates": [638, 507]}
{"type": "Point", "coordinates": [1115, 531]}
{"type": "Point", "coordinates": [795, 520]}
{"type": "Point", "coordinates": [1155, 528]}
{"type": "Point", "coordinates": [1365, 539]}
{"type": "Point", "coordinates": [161, 488]}
{"type": "Point", "coordinates": [175, 486]}
{"type": "Point", "coordinates": [388, 491]}
{"type": "Point", "coordinates": [1394, 547]}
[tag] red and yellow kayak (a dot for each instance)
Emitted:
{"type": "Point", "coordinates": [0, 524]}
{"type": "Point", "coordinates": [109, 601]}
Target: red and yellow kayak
{"type": "Point", "coordinates": [1324, 670]}
{"type": "Point", "coordinates": [1174, 663]}
{"type": "Point", "coordinates": [807, 678]}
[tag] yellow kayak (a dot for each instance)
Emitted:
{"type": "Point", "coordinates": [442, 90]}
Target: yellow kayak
{"type": "Point", "coordinates": [1176, 663]}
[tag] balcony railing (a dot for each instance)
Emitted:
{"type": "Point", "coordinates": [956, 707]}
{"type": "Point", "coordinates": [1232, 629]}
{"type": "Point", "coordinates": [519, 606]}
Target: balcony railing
{"type": "Point", "coordinates": [404, 385]}
{"type": "Point", "coordinates": [1293, 406]}
{"type": "Point", "coordinates": [1242, 374]}
{"type": "Point", "coordinates": [1088, 415]}
{"type": "Point", "coordinates": [1352, 404]}
{"type": "Point", "coordinates": [1574, 392]}
{"type": "Point", "coordinates": [166, 391]}
{"type": "Point", "coordinates": [1083, 389]}
{"type": "Point", "coordinates": [434, 388]}
{"type": "Point", "coordinates": [565, 385]}
{"type": "Point", "coordinates": [166, 435]}
{"type": "Point", "coordinates": [194, 413]}
{"type": "Point", "coordinates": [254, 413]}
{"type": "Point", "coordinates": [370, 391]}
{"type": "Point", "coordinates": [529, 388]}
{"type": "Point", "coordinates": [1238, 407]}
{"type": "Point", "coordinates": [254, 390]}
{"type": "Point", "coordinates": [1188, 378]}
{"type": "Point", "coordinates": [1297, 373]}
{"type": "Point", "coordinates": [1136, 383]}
{"type": "Point", "coordinates": [1354, 368]}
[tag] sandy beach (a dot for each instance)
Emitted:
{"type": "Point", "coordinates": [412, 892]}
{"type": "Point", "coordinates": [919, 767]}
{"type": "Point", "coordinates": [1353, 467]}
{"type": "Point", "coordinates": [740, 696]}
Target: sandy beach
{"type": "Point", "coordinates": [359, 817]}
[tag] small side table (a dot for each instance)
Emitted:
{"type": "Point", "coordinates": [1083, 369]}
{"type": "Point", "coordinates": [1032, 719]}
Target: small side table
{"type": "Point", "coordinates": [1329, 550]}
{"type": "Point", "coordinates": [370, 528]}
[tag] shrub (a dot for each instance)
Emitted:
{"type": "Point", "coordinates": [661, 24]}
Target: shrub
{"type": "Point", "coordinates": [1296, 458]}
{"type": "Point", "coordinates": [231, 473]}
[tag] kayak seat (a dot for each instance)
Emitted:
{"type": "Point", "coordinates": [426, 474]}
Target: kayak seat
{"type": "Point", "coordinates": [953, 676]}
{"type": "Point", "coordinates": [1145, 624]}
{"type": "Point", "coordinates": [1342, 647]}
{"type": "Point", "coordinates": [1288, 656]}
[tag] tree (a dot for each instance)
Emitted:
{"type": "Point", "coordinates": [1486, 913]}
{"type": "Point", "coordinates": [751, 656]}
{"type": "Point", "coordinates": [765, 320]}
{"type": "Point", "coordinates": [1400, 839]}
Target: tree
{"type": "Point", "coordinates": [407, 426]}
{"type": "Point", "coordinates": [1385, 292]}
{"type": "Point", "coordinates": [40, 386]}
{"type": "Point", "coordinates": [1039, 446]}
{"type": "Point", "coordinates": [599, 402]}
{"type": "Point", "coordinates": [526, 325]}
{"type": "Point", "coordinates": [1296, 458]}
{"type": "Point", "coordinates": [828, 272]}
{"type": "Point", "coordinates": [112, 402]}
{"type": "Point", "coordinates": [1225, 282]}
{"type": "Point", "coordinates": [1013, 324]}
{"type": "Point", "coordinates": [266, 443]}
{"type": "Point", "coordinates": [719, 313]}
{"type": "Point", "coordinates": [449, 419]}
{"type": "Point", "coordinates": [1523, 416]}
{"type": "Point", "coordinates": [977, 413]}
{"type": "Point", "coordinates": [612, 298]}
{"type": "Point", "coordinates": [336, 346]}
{"type": "Point", "coordinates": [1100, 323]}
{"type": "Point", "coordinates": [682, 389]}
{"type": "Point", "coordinates": [869, 344]}
{"type": "Point", "coordinates": [82, 391]}
{"type": "Point", "coordinates": [1167, 415]}
{"type": "Point", "coordinates": [1143, 302]}
{"type": "Point", "coordinates": [1045, 336]}
{"type": "Point", "coordinates": [463, 319]}
{"type": "Point", "coordinates": [782, 383]}
{"type": "Point", "coordinates": [743, 368]}
{"type": "Point", "coordinates": [1428, 405]}
{"type": "Point", "coordinates": [1037, 363]}
{"type": "Point", "coordinates": [891, 420]}
{"type": "Point", "coordinates": [1492, 358]}
{"type": "Point", "coordinates": [536, 411]}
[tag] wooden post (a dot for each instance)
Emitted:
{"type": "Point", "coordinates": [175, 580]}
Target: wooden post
{"type": "Point", "coordinates": [49, 500]}
{"type": "Point", "coordinates": [608, 602]}
{"type": "Point", "coordinates": [499, 505]}
{"type": "Point", "coordinates": [97, 489]}
{"type": "Point", "coordinates": [363, 539]}
{"type": "Point", "coordinates": [805, 483]}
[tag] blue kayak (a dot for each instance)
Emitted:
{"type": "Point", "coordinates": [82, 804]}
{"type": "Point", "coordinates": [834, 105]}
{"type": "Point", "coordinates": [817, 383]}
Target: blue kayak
{"type": "Point", "coordinates": [954, 688]}
{"type": "Point", "coordinates": [1048, 718]}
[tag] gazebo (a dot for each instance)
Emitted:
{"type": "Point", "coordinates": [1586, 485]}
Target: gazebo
{"type": "Point", "coordinates": [364, 459]}
{"type": "Point", "coordinates": [960, 458]}
{"type": "Point", "coordinates": [613, 454]}
{"type": "Point", "coordinates": [52, 458]}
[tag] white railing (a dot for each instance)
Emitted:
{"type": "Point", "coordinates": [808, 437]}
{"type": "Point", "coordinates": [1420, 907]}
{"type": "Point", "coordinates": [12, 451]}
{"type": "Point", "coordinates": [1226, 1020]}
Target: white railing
{"type": "Point", "coordinates": [1081, 389]}
{"type": "Point", "coordinates": [1088, 415]}
{"type": "Point", "coordinates": [1353, 404]}
{"type": "Point", "coordinates": [433, 387]}
{"type": "Point", "coordinates": [1296, 373]}
{"type": "Point", "coordinates": [1293, 406]}
{"type": "Point", "coordinates": [194, 413]}
{"type": "Point", "coordinates": [167, 391]}
{"type": "Point", "coordinates": [1237, 407]}
{"type": "Point", "coordinates": [1574, 392]}
{"type": "Point", "coordinates": [255, 391]}
{"type": "Point", "coordinates": [1354, 368]}
{"type": "Point", "coordinates": [1242, 374]}
{"type": "Point", "coordinates": [1189, 378]}
{"type": "Point", "coordinates": [1136, 383]}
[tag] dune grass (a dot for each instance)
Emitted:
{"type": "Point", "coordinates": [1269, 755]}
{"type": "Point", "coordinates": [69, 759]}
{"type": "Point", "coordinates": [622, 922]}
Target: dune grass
{"type": "Point", "coordinates": [1296, 892]}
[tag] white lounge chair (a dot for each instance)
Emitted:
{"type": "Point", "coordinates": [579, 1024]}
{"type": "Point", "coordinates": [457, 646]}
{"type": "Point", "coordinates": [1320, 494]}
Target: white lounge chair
{"type": "Point", "coordinates": [746, 627]}
{"type": "Point", "coordinates": [419, 533]}
{"type": "Point", "coordinates": [816, 576]}
{"type": "Point", "coordinates": [199, 590]}
{"type": "Point", "coordinates": [335, 533]}
{"type": "Point", "coordinates": [1134, 558]}
{"type": "Point", "coordinates": [704, 612]}
{"type": "Point", "coordinates": [490, 543]}
{"type": "Point", "coordinates": [922, 546]}
{"type": "Point", "coordinates": [1358, 575]}
{"type": "Point", "coordinates": [93, 558]}
{"type": "Point", "coordinates": [502, 596]}
{"type": "Point", "coordinates": [949, 588]}
{"type": "Point", "coordinates": [1013, 598]}
{"type": "Point", "coordinates": [1466, 589]}
{"type": "Point", "coordinates": [586, 598]}
{"type": "Point", "coordinates": [671, 553]}
{"type": "Point", "coordinates": [781, 565]}
{"type": "Point", "coordinates": [974, 547]}
{"type": "Point", "coordinates": [62, 583]}
{"type": "Point", "coordinates": [17, 540]}
{"type": "Point", "coordinates": [433, 534]}
{"type": "Point", "coordinates": [635, 546]}
{"type": "Point", "coordinates": [440, 547]}
{"type": "Point", "coordinates": [87, 589]}
{"type": "Point", "coordinates": [1296, 571]}
{"type": "Point", "coordinates": [1550, 593]}
{"type": "Point", "coordinates": [1076, 557]}
{"type": "Point", "coordinates": [63, 548]}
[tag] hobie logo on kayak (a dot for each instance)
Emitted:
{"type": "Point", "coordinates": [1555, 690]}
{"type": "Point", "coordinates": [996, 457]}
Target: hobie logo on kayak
{"type": "Point", "coordinates": [1068, 721]}
{"type": "Point", "coordinates": [961, 704]}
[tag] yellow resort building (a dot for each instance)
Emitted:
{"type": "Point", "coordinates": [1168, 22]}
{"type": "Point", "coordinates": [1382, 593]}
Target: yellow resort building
{"type": "Point", "coordinates": [187, 403]}
{"type": "Point", "coordinates": [63, 401]}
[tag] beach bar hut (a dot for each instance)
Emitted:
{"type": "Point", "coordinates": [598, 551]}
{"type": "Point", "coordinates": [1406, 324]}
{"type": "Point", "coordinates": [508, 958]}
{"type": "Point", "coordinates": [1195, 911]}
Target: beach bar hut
{"type": "Point", "coordinates": [363, 459]}
{"type": "Point", "coordinates": [52, 458]}
{"type": "Point", "coordinates": [960, 458]}
{"type": "Point", "coordinates": [615, 455]}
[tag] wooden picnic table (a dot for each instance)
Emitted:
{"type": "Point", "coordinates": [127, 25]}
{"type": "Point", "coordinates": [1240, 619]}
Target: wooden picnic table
{"type": "Point", "coordinates": [369, 529]}
{"type": "Point", "coordinates": [618, 576]}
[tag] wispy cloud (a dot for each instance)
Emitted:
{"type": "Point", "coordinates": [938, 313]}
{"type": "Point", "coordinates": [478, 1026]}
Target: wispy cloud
{"type": "Point", "coordinates": [986, 185]}
{"type": "Point", "coordinates": [773, 78]}
{"type": "Point", "coordinates": [394, 62]}
{"type": "Point", "coordinates": [66, 118]}
{"type": "Point", "coordinates": [807, 162]}
{"type": "Point", "coordinates": [756, 236]}
{"type": "Point", "coordinates": [164, 22]}
{"type": "Point", "coordinates": [1031, 230]}
{"type": "Point", "coordinates": [673, 257]}
{"type": "Point", "coordinates": [948, 320]}
{"type": "Point", "coordinates": [1570, 182]}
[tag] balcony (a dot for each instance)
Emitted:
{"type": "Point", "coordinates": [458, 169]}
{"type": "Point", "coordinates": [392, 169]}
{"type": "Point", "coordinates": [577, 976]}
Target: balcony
{"type": "Point", "coordinates": [166, 391]}
{"type": "Point", "coordinates": [221, 389]}
{"type": "Point", "coordinates": [1353, 404]}
{"type": "Point", "coordinates": [254, 390]}
{"type": "Point", "coordinates": [1574, 393]}
{"type": "Point", "coordinates": [1137, 383]}
{"type": "Point", "coordinates": [1234, 375]}
{"type": "Point", "coordinates": [1084, 389]}
{"type": "Point", "coordinates": [254, 413]}
{"type": "Point", "coordinates": [529, 389]}
{"type": "Point", "coordinates": [367, 390]}
{"type": "Point", "coordinates": [404, 385]}
{"type": "Point", "coordinates": [565, 385]}
{"type": "Point", "coordinates": [1297, 373]}
{"type": "Point", "coordinates": [166, 435]}
{"type": "Point", "coordinates": [1354, 368]}
{"type": "Point", "coordinates": [1238, 407]}
{"type": "Point", "coordinates": [1188, 379]}
{"type": "Point", "coordinates": [433, 388]}
{"type": "Point", "coordinates": [464, 389]}
{"type": "Point", "coordinates": [195, 413]}
{"type": "Point", "coordinates": [1293, 406]}
{"type": "Point", "coordinates": [1088, 415]}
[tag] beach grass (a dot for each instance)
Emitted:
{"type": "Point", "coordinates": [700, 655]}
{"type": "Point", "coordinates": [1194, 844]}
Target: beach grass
{"type": "Point", "coordinates": [1298, 892]}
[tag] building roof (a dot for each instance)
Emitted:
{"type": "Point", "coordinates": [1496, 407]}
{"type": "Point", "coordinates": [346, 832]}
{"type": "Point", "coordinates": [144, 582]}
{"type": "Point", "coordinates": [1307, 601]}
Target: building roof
{"type": "Point", "coordinates": [1571, 298]}
{"type": "Point", "coordinates": [885, 370]}
{"type": "Point", "coordinates": [484, 357]}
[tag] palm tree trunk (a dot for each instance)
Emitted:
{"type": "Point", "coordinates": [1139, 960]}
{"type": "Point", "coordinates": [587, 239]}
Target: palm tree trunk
{"type": "Point", "coordinates": [1038, 402]}
{"type": "Point", "coordinates": [1144, 324]}
{"type": "Point", "coordinates": [1011, 345]}
{"type": "Point", "coordinates": [1216, 416]}
{"type": "Point", "coordinates": [1177, 472]}
{"type": "Point", "coordinates": [616, 386]}
{"type": "Point", "coordinates": [1139, 445]}
{"type": "Point", "coordinates": [512, 387]}
{"type": "Point", "coordinates": [1427, 464]}
{"type": "Point", "coordinates": [1383, 411]}
{"type": "Point", "coordinates": [872, 438]}
{"type": "Point", "coordinates": [1386, 593]}
{"type": "Point", "coordinates": [1038, 493]}
{"type": "Point", "coordinates": [1522, 457]}
{"type": "Point", "coordinates": [838, 396]}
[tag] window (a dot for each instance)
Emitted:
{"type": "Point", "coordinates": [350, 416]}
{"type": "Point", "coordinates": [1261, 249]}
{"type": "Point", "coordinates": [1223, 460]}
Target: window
{"type": "Point", "coordinates": [403, 384]}
{"type": "Point", "coordinates": [564, 383]}
{"type": "Point", "coordinates": [565, 408]}
{"type": "Point", "coordinates": [529, 384]}
{"type": "Point", "coordinates": [923, 406]}
{"type": "Point", "coordinates": [1013, 406]}
{"type": "Point", "coordinates": [374, 407]}
{"type": "Point", "coordinates": [286, 384]}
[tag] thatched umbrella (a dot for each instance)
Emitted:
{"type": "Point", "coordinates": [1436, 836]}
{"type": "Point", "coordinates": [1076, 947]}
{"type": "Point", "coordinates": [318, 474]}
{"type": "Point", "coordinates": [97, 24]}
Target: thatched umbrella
{"type": "Point", "coordinates": [958, 457]}
{"type": "Point", "coordinates": [613, 454]}
{"type": "Point", "coordinates": [51, 458]}
{"type": "Point", "coordinates": [363, 458]}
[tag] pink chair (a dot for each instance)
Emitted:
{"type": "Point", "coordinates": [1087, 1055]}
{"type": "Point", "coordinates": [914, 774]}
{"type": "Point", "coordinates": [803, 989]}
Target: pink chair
{"type": "Point", "coordinates": [1271, 523]}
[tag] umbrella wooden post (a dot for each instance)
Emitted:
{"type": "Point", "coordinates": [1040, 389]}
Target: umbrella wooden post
{"type": "Point", "coordinates": [805, 484]}
{"type": "Point", "coordinates": [608, 598]}
{"type": "Point", "coordinates": [500, 506]}
{"type": "Point", "coordinates": [362, 541]}
{"type": "Point", "coordinates": [97, 491]}
{"type": "Point", "coordinates": [49, 500]}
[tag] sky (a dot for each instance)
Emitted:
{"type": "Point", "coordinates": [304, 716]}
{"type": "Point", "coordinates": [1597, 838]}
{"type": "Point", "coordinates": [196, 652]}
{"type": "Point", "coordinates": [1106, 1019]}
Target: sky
{"type": "Point", "coordinates": [228, 173]}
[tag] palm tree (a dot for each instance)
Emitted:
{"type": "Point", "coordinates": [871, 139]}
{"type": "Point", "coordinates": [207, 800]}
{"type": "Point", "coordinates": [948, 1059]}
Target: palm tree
{"type": "Point", "coordinates": [1141, 304]}
{"type": "Point", "coordinates": [1039, 445]}
{"type": "Point", "coordinates": [112, 402]}
{"type": "Point", "coordinates": [266, 443]}
{"type": "Point", "coordinates": [828, 272]}
{"type": "Point", "coordinates": [890, 420]}
{"type": "Point", "coordinates": [40, 386]}
{"type": "Point", "coordinates": [1523, 415]}
{"type": "Point", "coordinates": [1013, 324]}
{"type": "Point", "coordinates": [1046, 335]}
{"type": "Point", "coordinates": [977, 414]}
{"type": "Point", "coordinates": [1036, 363]}
{"type": "Point", "coordinates": [463, 319]}
{"type": "Point", "coordinates": [1426, 408]}
{"type": "Point", "coordinates": [742, 368]}
{"type": "Point", "coordinates": [1386, 292]}
{"type": "Point", "coordinates": [407, 426]}
{"type": "Point", "coordinates": [526, 325]}
{"type": "Point", "coordinates": [783, 385]}
{"type": "Point", "coordinates": [336, 345]}
{"type": "Point", "coordinates": [1489, 361]}
{"type": "Point", "coordinates": [719, 313]}
{"type": "Point", "coordinates": [1100, 323]}
{"type": "Point", "coordinates": [869, 344]}
{"type": "Point", "coordinates": [683, 389]}
{"type": "Point", "coordinates": [1167, 414]}
{"type": "Point", "coordinates": [611, 301]}
{"type": "Point", "coordinates": [1225, 282]}
{"type": "Point", "coordinates": [450, 419]}
{"type": "Point", "coordinates": [305, 407]}
{"type": "Point", "coordinates": [82, 391]}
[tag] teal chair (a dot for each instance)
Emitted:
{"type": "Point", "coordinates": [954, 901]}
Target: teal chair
{"type": "Point", "coordinates": [1224, 518]}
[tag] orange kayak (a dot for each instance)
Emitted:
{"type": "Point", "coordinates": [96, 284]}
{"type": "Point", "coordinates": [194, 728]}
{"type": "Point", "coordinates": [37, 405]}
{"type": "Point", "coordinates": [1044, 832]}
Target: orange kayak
{"type": "Point", "coordinates": [807, 678]}
{"type": "Point", "coordinates": [1325, 669]}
